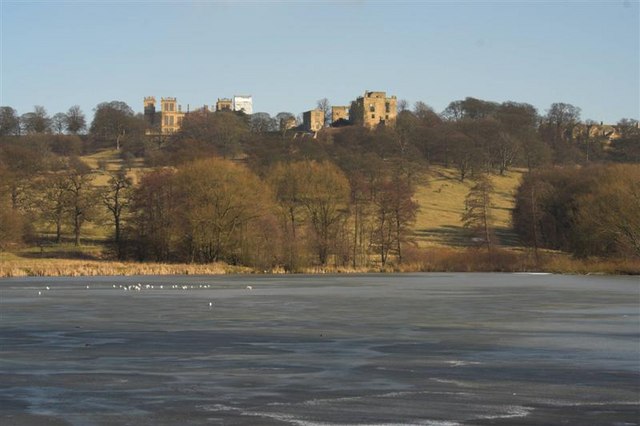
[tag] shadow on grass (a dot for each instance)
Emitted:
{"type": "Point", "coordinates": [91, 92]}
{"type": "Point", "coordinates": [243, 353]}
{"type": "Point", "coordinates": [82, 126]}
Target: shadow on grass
{"type": "Point", "coordinates": [449, 235]}
{"type": "Point", "coordinates": [77, 254]}
{"type": "Point", "coordinates": [457, 236]}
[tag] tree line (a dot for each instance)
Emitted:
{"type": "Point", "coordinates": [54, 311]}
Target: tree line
{"type": "Point", "coordinates": [589, 211]}
{"type": "Point", "coordinates": [240, 189]}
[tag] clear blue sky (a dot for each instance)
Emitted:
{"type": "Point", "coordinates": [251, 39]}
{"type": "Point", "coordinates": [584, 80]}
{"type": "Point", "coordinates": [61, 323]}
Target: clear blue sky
{"type": "Point", "coordinates": [289, 54]}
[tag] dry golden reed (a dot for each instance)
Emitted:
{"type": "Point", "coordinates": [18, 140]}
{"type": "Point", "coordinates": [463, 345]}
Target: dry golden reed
{"type": "Point", "coordinates": [416, 260]}
{"type": "Point", "coordinates": [72, 268]}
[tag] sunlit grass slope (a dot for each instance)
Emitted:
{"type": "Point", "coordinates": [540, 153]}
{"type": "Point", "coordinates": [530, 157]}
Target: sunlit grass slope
{"type": "Point", "coordinates": [442, 201]}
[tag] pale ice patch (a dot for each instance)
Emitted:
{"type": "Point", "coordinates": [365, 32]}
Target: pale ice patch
{"type": "Point", "coordinates": [509, 412]}
{"type": "Point", "coordinates": [460, 363]}
{"type": "Point", "coordinates": [532, 273]}
{"type": "Point", "coordinates": [288, 418]}
{"type": "Point", "coordinates": [458, 383]}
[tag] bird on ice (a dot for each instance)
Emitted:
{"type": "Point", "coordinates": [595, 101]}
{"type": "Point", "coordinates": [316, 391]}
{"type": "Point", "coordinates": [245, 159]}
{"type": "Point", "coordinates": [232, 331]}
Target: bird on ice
{"type": "Point", "coordinates": [249, 287]}
{"type": "Point", "coordinates": [210, 304]}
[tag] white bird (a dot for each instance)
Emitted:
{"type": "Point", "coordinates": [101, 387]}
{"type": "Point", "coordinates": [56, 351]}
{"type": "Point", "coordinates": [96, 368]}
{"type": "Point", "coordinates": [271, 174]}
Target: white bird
{"type": "Point", "coordinates": [210, 304]}
{"type": "Point", "coordinates": [39, 293]}
{"type": "Point", "coordinates": [249, 287]}
{"type": "Point", "coordinates": [87, 286]}
{"type": "Point", "coordinates": [47, 287]}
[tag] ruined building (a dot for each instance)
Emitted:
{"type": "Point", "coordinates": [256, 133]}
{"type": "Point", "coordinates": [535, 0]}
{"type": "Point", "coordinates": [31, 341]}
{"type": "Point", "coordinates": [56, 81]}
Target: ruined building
{"type": "Point", "coordinates": [339, 113]}
{"type": "Point", "coordinates": [370, 110]}
{"type": "Point", "coordinates": [374, 108]}
{"type": "Point", "coordinates": [224, 103]}
{"type": "Point", "coordinates": [313, 120]}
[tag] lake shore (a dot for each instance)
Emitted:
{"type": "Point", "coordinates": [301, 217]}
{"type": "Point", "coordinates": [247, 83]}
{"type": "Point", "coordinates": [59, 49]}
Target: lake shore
{"type": "Point", "coordinates": [434, 261]}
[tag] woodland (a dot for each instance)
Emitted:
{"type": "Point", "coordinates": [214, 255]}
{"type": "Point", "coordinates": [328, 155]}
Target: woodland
{"type": "Point", "coordinates": [243, 190]}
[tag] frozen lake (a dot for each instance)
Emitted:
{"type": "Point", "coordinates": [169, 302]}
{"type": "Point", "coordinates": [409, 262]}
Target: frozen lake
{"type": "Point", "coordinates": [427, 349]}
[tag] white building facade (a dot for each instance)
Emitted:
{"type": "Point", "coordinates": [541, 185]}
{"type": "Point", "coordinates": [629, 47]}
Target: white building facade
{"type": "Point", "coordinates": [243, 103]}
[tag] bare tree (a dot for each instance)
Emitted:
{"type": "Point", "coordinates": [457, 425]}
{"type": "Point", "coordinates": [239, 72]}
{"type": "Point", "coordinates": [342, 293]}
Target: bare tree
{"type": "Point", "coordinates": [54, 200]}
{"type": "Point", "coordinates": [325, 196]}
{"type": "Point", "coordinates": [116, 199]}
{"type": "Point", "coordinates": [325, 106]}
{"type": "Point", "coordinates": [81, 203]}
{"type": "Point", "coordinates": [58, 122]}
{"type": "Point", "coordinates": [76, 121]}
{"type": "Point", "coordinates": [37, 121]}
{"type": "Point", "coordinates": [477, 217]}
{"type": "Point", "coordinates": [112, 121]}
{"type": "Point", "coordinates": [9, 121]}
{"type": "Point", "coordinates": [395, 211]}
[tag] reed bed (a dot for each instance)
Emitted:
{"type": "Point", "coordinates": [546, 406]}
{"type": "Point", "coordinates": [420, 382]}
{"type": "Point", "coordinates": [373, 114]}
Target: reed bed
{"type": "Point", "coordinates": [73, 268]}
{"type": "Point", "coordinates": [419, 260]}
{"type": "Point", "coordinates": [510, 260]}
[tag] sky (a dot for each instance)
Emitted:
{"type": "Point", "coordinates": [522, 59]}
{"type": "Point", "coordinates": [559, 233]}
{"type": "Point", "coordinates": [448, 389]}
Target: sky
{"type": "Point", "coordinates": [289, 54]}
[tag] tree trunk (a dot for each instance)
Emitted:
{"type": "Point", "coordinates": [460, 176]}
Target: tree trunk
{"type": "Point", "coordinates": [58, 230]}
{"type": "Point", "coordinates": [76, 229]}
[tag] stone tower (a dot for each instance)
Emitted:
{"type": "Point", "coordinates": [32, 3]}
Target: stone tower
{"type": "Point", "coordinates": [374, 108]}
{"type": "Point", "coordinates": [172, 115]}
{"type": "Point", "coordinates": [150, 110]}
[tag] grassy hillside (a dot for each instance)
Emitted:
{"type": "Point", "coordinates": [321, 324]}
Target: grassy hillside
{"type": "Point", "coordinates": [111, 161]}
{"type": "Point", "coordinates": [441, 198]}
{"type": "Point", "coordinates": [441, 202]}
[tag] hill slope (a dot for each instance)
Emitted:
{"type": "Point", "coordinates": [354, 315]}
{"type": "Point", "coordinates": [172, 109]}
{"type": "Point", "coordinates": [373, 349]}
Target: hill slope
{"type": "Point", "coordinates": [442, 201]}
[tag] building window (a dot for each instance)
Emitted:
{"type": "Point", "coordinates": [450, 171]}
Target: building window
{"type": "Point", "coordinates": [387, 107]}
{"type": "Point", "coordinates": [373, 116]}
{"type": "Point", "coordinates": [166, 120]}
{"type": "Point", "coordinates": [372, 108]}
{"type": "Point", "coordinates": [386, 117]}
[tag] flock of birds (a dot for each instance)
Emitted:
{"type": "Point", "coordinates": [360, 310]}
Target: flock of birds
{"type": "Point", "coordinates": [140, 287]}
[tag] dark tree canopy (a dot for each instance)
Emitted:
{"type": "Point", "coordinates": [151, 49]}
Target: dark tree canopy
{"type": "Point", "coordinates": [222, 130]}
{"type": "Point", "coordinates": [113, 121]}
{"type": "Point", "coordinates": [76, 121]}
{"type": "Point", "coordinates": [470, 108]}
{"type": "Point", "coordinates": [37, 121]}
{"type": "Point", "coordinates": [9, 121]}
